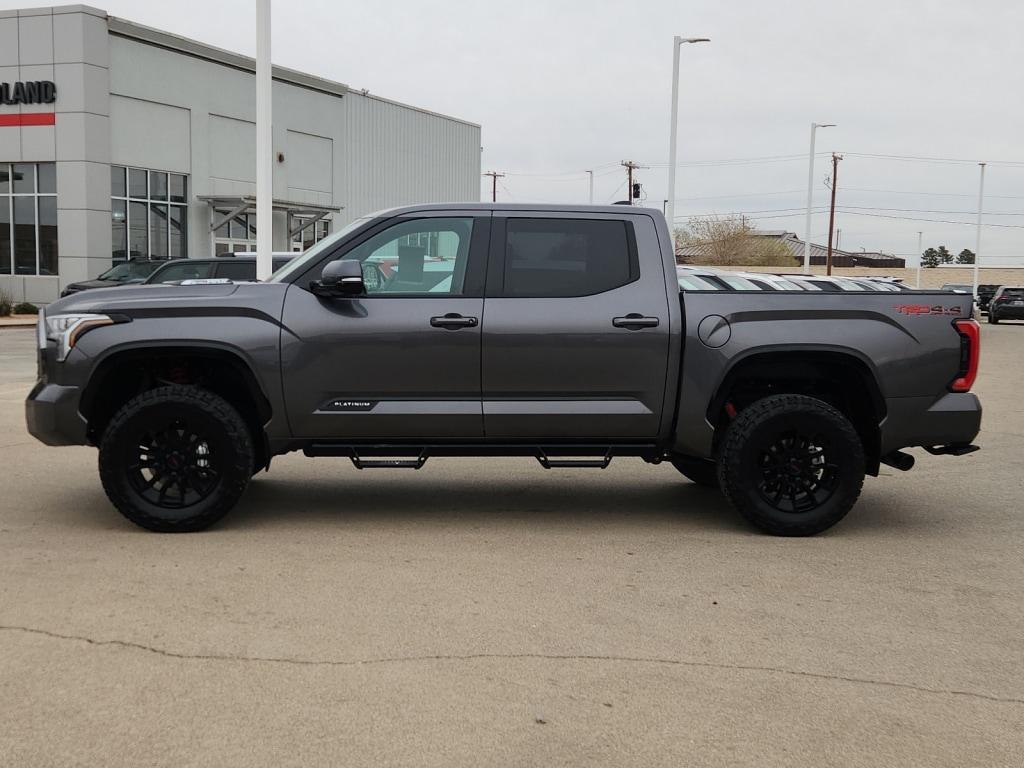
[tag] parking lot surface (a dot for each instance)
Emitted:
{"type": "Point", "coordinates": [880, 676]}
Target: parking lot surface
{"type": "Point", "coordinates": [488, 612]}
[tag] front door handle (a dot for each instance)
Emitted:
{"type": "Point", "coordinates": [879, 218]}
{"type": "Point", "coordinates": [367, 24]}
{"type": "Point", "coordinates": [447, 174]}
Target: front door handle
{"type": "Point", "coordinates": [452, 321]}
{"type": "Point", "coordinates": [635, 321]}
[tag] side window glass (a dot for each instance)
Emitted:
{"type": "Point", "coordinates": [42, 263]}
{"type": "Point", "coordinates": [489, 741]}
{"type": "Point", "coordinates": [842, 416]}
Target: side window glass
{"type": "Point", "coordinates": [183, 271]}
{"type": "Point", "coordinates": [419, 256]}
{"type": "Point", "coordinates": [568, 257]}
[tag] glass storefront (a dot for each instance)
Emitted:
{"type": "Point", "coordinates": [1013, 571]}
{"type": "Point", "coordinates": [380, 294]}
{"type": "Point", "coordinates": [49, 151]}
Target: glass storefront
{"type": "Point", "coordinates": [149, 214]}
{"type": "Point", "coordinates": [28, 219]}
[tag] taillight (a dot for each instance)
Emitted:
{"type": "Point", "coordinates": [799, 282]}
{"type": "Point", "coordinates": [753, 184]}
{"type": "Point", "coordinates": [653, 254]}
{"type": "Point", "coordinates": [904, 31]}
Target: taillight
{"type": "Point", "coordinates": [970, 353]}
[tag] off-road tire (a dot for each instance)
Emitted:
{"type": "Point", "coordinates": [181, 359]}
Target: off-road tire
{"type": "Point", "coordinates": [700, 471]}
{"type": "Point", "coordinates": [750, 458]}
{"type": "Point", "coordinates": [229, 450]}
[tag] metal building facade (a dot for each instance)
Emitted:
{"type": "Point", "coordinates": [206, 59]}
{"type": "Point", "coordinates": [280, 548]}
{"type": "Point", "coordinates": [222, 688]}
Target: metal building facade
{"type": "Point", "coordinates": [137, 106]}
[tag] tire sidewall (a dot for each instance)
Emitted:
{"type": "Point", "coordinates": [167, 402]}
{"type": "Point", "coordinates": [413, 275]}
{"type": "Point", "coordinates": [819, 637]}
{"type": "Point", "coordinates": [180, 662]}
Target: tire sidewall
{"type": "Point", "coordinates": [761, 425]}
{"type": "Point", "coordinates": [224, 431]}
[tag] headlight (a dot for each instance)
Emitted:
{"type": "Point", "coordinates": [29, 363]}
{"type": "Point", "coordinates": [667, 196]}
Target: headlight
{"type": "Point", "coordinates": [65, 329]}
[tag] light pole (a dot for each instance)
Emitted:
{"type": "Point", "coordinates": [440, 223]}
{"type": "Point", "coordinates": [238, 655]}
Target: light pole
{"type": "Point", "coordinates": [919, 259]}
{"type": "Point", "coordinates": [977, 238]}
{"type": "Point", "coordinates": [810, 193]}
{"type": "Point", "coordinates": [670, 208]}
{"type": "Point", "coordinates": [591, 186]}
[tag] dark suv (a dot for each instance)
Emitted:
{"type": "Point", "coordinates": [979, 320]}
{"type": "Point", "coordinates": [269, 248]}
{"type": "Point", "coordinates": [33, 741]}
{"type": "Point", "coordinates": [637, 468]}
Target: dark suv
{"type": "Point", "coordinates": [1007, 304]}
{"type": "Point", "coordinates": [985, 294]}
{"type": "Point", "coordinates": [235, 268]}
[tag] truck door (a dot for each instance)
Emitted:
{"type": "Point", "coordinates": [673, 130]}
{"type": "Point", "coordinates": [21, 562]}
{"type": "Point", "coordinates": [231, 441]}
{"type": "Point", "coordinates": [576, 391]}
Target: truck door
{"type": "Point", "coordinates": [403, 361]}
{"type": "Point", "coordinates": [576, 328]}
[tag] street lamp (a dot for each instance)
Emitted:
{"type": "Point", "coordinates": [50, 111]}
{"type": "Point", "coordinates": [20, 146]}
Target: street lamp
{"type": "Point", "coordinates": [810, 192]}
{"type": "Point", "coordinates": [670, 207]}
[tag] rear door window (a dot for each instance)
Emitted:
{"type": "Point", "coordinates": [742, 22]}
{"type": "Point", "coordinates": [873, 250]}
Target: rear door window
{"type": "Point", "coordinates": [568, 257]}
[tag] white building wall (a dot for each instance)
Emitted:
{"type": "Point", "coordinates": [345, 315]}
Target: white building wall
{"type": "Point", "coordinates": [182, 107]}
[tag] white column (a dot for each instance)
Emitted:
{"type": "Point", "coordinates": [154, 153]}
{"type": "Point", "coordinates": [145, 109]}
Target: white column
{"type": "Point", "coordinates": [591, 187]}
{"type": "Point", "coordinates": [264, 145]}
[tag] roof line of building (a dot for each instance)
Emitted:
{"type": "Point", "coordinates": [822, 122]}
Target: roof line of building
{"type": "Point", "coordinates": [190, 47]}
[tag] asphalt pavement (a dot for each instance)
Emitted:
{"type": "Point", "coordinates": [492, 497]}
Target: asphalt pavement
{"type": "Point", "coordinates": [491, 613]}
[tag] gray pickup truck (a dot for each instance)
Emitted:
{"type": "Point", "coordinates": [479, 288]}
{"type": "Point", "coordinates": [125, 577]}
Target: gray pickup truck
{"type": "Point", "coordinates": [558, 332]}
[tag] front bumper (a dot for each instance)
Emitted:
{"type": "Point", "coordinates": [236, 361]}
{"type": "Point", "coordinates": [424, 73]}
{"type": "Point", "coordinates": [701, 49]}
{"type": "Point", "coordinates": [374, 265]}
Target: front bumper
{"type": "Point", "coordinates": [953, 419]}
{"type": "Point", "coordinates": [51, 413]}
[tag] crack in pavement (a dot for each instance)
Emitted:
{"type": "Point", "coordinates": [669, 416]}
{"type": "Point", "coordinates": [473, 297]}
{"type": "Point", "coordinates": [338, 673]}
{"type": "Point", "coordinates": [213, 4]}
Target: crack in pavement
{"type": "Point", "coordinates": [127, 644]}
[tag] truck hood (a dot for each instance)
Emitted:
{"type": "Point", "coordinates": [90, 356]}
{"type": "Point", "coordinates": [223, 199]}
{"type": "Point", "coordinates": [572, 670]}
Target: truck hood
{"type": "Point", "coordinates": [176, 299]}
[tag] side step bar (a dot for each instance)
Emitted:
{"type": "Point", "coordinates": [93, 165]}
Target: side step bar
{"type": "Point", "coordinates": [408, 456]}
{"type": "Point", "coordinates": [954, 449]}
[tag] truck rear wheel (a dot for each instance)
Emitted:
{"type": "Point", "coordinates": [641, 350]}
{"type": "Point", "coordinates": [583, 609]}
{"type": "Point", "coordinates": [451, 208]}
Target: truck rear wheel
{"type": "Point", "coordinates": [175, 459]}
{"type": "Point", "coordinates": [792, 465]}
{"type": "Point", "coordinates": [699, 471]}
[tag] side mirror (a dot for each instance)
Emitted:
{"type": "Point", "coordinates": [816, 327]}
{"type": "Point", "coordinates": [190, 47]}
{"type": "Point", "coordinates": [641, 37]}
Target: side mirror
{"type": "Point", "coordinates": [343, 277]}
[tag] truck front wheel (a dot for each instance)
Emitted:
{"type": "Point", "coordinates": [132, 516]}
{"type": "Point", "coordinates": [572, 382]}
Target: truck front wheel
{"type": "Point", "coordinates": [792, 465]}
{"type": "Point", "coordinates": [175, 459]}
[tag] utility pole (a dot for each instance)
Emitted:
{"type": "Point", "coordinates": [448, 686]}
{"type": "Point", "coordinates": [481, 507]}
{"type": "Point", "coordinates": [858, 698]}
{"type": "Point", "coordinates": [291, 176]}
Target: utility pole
{"type": "Point", "coordinates": [832, 211]}
{"type": "Point", "coordinates": [591, 186]}
{"type": "Point", "coordinates": [494, 184]}
{"type": "Point", "coordinates": [630, 166]}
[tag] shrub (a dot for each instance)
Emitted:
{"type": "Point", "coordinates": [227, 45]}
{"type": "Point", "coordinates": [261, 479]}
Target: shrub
{"type": "Point", "coordinates": [5, 303]}
{"type": "Point", "coordinates": [25, 308]}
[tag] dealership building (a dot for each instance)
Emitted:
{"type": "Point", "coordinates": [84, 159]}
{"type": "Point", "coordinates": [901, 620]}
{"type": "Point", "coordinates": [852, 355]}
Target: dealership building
{"type": "Point", "coordinates": [122, 141]}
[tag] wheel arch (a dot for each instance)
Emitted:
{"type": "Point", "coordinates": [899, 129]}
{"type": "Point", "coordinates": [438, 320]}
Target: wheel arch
{"type": "Point", "coordinates": [841, 377]}
{"type": "Point", "coordinates": [128, 371]}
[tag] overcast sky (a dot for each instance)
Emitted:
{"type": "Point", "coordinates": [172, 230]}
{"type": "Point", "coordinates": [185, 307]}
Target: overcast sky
{"type": "Point", "coordinates": [560, 86]}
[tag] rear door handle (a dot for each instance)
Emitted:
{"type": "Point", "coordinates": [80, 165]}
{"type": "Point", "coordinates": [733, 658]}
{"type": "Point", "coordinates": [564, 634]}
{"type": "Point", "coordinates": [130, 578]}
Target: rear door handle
{"type": "Point", "coordinates": [452, 321]}
{"type": "Point", "coordinates": [635, 321]}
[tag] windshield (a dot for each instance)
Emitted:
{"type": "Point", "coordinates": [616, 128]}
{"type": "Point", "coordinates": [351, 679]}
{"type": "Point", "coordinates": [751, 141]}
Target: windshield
{"type": "Point", "coordinates": [127, 271]}
{"type": "Point", "coordinates": [299, 263]}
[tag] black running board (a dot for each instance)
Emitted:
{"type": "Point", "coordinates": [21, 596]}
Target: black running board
{"type": "Point", "coordinates": [409, 456]}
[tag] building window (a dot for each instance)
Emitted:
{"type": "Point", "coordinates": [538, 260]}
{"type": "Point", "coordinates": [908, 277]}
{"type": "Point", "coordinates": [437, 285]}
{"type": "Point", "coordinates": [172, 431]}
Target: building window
{"type": "Point", "coordinates": [238, 235]}
{"type": "Point", "coordinates": [28, 219]}
{"type": "Point", "coordinates": [149, 214]}
{"type": "Point", "coordinates": [311, 235]}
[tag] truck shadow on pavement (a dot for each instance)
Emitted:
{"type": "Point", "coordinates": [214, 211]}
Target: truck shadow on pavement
{"type": "Point", "coordinates": [673, 504]}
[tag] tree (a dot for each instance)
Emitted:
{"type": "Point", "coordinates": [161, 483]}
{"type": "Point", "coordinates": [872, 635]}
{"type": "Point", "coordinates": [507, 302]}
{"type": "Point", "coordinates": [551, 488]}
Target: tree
{"type": "Point", "coordinates": [730, 241]}
{"type": "Point", "coordinates": [944, 255]}
{"type": "Point", "coordinates": [930, 258]}
{"type": "Point", "coordinates": [966, 256]}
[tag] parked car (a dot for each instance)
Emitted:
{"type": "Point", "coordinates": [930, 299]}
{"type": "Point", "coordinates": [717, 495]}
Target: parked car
{"type": "Point", "coordinates": [985, 293]}
{"type": "Point", "coordinates": [1007, 304]}
{"type": "Point", "coordinates": [958, 287]}
{"type": "Point", "coordinates": [127, 272]}
{"type": "Point", "coordinates": [237, 268]}
{"type": "Point", "coordinates": [561, 333]}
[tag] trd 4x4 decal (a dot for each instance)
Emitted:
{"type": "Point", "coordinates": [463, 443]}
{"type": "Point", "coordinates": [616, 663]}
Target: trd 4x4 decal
{"type": "Point", "coordinates": [924, 309]}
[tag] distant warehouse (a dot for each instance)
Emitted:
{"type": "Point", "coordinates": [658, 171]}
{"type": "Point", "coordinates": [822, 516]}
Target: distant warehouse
{"type": "Point", "coordinates": [120, 141]}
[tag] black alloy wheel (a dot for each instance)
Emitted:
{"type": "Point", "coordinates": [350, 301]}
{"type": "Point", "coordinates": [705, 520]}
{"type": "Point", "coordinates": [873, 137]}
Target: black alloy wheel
{"type": "Point", "coordinates": [176, 458]}
{"type": "Point", "coordinates": [792, 465]}
{"type": "Point", "coordinates": [794, 472]}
